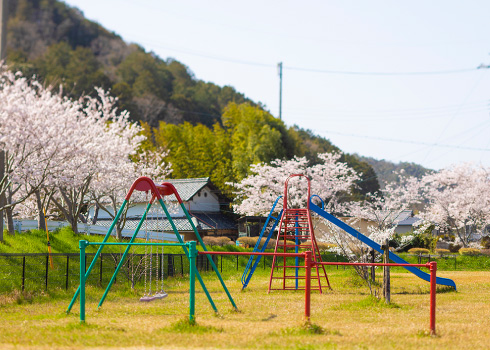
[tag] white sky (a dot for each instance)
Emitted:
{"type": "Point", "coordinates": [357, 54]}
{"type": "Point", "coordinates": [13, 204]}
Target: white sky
{"type": "Point", "coordinates": [431, 119]}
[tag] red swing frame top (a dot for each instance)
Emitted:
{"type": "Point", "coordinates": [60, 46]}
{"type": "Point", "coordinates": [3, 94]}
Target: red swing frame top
{"type": "Point", "coordinates": [145, 184]}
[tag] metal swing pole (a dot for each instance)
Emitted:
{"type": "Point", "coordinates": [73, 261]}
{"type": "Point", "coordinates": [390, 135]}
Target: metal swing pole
{"type": "Point", "coordinates": [92, 264]}
{"type": "Point", "coordinates": [121, 262]}
{"type": "Point", "coordinates": [174, 228]}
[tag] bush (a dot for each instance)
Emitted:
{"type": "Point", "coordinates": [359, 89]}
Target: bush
{"type": "Point", "coordinates": [216, 241]}
{"type": "Point", "coordinates": [485, 242]}
{"type": "Point", "coordinates": [418, 251]}
{"type": "Point", "coordinates": [485, 252]}
{"type": "Point", "coordinates": [247, 241]}
{"type": "Point", "coordinates": [469, 251]}
{"type": "Point", "coordinates": [454, 248]}
{"type": "Point", "coordinates": [442, 252]}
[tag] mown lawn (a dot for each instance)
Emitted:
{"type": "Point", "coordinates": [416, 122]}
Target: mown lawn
{"type": "Point", "coordinates": [345, 318]}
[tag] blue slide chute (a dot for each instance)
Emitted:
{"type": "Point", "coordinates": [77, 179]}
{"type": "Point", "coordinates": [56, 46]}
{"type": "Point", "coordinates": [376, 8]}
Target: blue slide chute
{"type": "Point", "coordinates": [393, 257]}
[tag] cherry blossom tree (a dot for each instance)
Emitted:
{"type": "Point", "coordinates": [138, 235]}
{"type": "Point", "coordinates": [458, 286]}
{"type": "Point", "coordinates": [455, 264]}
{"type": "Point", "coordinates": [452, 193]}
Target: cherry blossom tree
{"type": "Point", "coordinates": [382, 211]}
{"type": "Point", "coordinates": [330, 179]}
{"type": "Point", "coordinates": [31, 118]}
{"type": "Point", "coordinates": [109, 190]}
{"type": "Point", "coordinates": [59, 150]}
{"type": "Point", "coordinates": [459, 200]}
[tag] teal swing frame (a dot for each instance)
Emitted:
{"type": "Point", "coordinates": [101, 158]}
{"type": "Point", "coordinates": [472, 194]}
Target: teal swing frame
{"type": "Point", "coordinates": [158, 192]}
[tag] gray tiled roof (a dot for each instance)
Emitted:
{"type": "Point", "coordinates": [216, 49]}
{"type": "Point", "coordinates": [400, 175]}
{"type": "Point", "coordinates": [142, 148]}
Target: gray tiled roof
{"type": "Point", "coordinates": [203, 221]}
{"type": "Point", "coordinates": [186, 188]}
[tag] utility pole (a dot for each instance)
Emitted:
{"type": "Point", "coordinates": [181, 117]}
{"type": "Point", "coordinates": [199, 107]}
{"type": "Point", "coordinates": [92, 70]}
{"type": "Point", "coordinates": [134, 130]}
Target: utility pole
{"type": "Point", "coordinates": [279, 67]}
{"type": "Point", "coordinates": [3, 55]}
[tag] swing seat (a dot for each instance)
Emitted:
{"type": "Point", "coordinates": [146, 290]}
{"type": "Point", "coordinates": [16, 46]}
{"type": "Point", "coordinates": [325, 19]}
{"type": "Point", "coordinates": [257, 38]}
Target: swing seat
{"type": "Point", "coordinates": [160, 295]}
{"type": "Point", "coordinates": [147, 298]}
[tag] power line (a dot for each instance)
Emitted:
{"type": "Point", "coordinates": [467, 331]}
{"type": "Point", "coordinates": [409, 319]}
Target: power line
{"type": "Point", "coordinates": [303, 69]}
{"type": "Point", "coordinates": [405, 141]}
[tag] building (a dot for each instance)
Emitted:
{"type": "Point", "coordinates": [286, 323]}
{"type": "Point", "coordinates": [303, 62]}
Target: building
{"type": "Point", "coordinates": [202, 199]}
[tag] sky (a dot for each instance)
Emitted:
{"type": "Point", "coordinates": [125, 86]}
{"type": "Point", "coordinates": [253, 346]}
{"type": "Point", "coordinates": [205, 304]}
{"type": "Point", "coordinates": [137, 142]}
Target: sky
{"type": "Point", "coordinates": [393, 80]}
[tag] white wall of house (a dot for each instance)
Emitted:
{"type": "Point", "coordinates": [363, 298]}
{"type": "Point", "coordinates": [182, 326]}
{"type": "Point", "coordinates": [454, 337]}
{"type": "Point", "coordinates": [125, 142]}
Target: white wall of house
{"type": "Point", "coordinates": [205, 201]}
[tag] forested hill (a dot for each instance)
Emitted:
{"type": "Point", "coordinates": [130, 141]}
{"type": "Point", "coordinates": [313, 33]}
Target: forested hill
{"type": "Point", "coordinates": [208, 130]}
{"type": "Point", "coordinates": [385, 170]}
{"type": "Point", "coordinates": [56, 42]}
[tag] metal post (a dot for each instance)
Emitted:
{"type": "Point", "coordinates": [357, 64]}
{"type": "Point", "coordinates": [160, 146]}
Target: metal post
{"type": "Point", "coordinates": [100, 270]}
{"type": "Point", "coordinates": [279, 66]}
{"type": "Point", "coordinates": [99, 251]}
{"type": "Point", "coordinates": [23, 272]}
{"type": "Point", "coordinates": [192, 281]}
{"type": "Point", "coordinates": [82, 245]}
{"type": "Point", "coordinates": [47, 269]}
{"type": "Point", "coordinates": [237, 262]}
{"type": "Point", "coordinates": [386, 272]}
{"type": "Point", "coordinates": [373, 270]}
{"type": "Point", "coordinates": [433, 272]}
{"type": "Point", "coordinates": [221, 263]}
{"type": "Point", "coordinates": [307, 284]}
{"type": "Point", "coordinates": [67, 271]}
{"type": "Point", "coordinates": [181, 265]}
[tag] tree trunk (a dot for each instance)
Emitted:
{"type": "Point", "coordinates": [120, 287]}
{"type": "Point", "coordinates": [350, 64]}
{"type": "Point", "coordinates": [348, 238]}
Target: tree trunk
{"type": "Point", "coordinates": [96, 214]}
{"type": "Point", "coordinates": [118, 232]}
{"type": "Point", "coordinates": [9, 214]}
{"type": "Point", "coordinates": [10, 221]}
{"type": "Point", "coordinates": [41, 224]}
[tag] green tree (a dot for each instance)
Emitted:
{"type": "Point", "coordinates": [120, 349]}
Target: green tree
{"type": "Point", "coordinates": [78, 70]}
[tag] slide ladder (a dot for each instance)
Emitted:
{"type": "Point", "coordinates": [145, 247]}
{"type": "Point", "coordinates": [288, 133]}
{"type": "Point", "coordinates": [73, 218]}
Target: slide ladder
{"type": "Point", "coordinates": [393, 257]}
{"type": "Point", "coordinates": [269, 226]}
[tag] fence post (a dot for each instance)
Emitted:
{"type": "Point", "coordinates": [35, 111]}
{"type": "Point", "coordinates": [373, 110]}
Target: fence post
{"type": "Point", "coordinates": [373, 270]}
{"type": "Point", "coordinates": [221, 263]}
{"type": "Point", "coordinates": [67, 271]}
{"type": "Point", "coordinates": [46, 275]}
{"type": "Point", "coordinates": [237, 262]}
{"type": "Point", "coordinates": [433, 272]}
{"type": "Point", "coordinates": [23, 272]}
{"type": "Point", "coordinates": [82, 245]}
{"type": "Point", "coordinates": [192, 280]}
{"type": "Point", "coordinates": [181, 265]}
{"type": "Point", "coordinates": [307, 285]}
{"type": "Point", "coordinates": [386, 272]}
{"type": "Point", "coordinates": [100, 270]}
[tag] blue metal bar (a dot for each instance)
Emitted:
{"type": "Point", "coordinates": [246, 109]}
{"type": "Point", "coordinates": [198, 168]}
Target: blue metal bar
{"type": "Point", "coordinates": [253, 261]}
{"type": "Point", "coordinates": [393, 257]}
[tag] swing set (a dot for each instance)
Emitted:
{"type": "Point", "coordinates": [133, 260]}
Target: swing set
{"type": "Point", "coordinates": [158, 192]}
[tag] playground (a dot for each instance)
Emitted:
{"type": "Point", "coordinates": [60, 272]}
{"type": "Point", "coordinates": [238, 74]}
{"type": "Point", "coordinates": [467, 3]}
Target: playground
{"type": "Point", "coordinates": [345, 318]}
{"type": "Point", "coordinates": [303, 303]}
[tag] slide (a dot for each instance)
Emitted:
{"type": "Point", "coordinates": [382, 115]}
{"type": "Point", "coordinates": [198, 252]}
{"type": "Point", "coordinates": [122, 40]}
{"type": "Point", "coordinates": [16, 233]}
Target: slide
{"type": "Point", "coordinates": [393, 257]}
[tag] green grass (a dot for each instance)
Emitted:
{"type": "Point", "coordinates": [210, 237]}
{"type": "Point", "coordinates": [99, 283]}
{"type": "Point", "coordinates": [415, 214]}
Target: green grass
{"type": "Point", "coordinates": [344, 318]}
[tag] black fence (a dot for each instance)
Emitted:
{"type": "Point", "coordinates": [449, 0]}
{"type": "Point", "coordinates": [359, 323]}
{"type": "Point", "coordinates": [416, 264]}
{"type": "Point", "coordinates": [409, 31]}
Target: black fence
{"type": "Point", "coordinates": [28, 272]}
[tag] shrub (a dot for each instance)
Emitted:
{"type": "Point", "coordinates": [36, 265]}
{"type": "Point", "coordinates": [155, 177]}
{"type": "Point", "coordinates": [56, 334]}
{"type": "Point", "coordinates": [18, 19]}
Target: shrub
{"type": "Point", "coordinates": [454, 248]}
{"type": "Point", "coordinates": [222, 241]}
{"type": "Point", "coordinates": [485, 242]}
{"type": "Point", "coordinates": [485, 252]}
{"type": "Point", "coordinates": [208, 240]}
{"type": "Point", "coordinates": [469, 251]}
{"type": "Point", "coordinates": [247, 241]}
{"type": "Point", "coordinates": [418, 251]}
{"type": "Point", "coordinates": [442, 252]}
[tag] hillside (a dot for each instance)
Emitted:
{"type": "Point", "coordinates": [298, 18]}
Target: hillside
{"type": "Point", "coordinates": [56, 42]}
{"type": "Point", "coordinates": [180, 113]}
{"type": "Point", "coordinates": [385, 170]}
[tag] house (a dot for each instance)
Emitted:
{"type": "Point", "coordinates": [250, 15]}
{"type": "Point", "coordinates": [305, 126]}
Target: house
{"type": "Point", "coordinates": [202, 199]}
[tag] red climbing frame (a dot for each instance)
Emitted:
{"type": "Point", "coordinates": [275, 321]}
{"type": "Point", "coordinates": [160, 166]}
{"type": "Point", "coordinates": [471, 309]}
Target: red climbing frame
{"type": "Point", "coordinates": [296, 233]}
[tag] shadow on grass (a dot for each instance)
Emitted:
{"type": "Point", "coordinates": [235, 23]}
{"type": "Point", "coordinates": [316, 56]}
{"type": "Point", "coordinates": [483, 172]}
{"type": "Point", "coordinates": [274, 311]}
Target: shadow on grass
{"type": "Point", "coordinates": [370, 302]}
